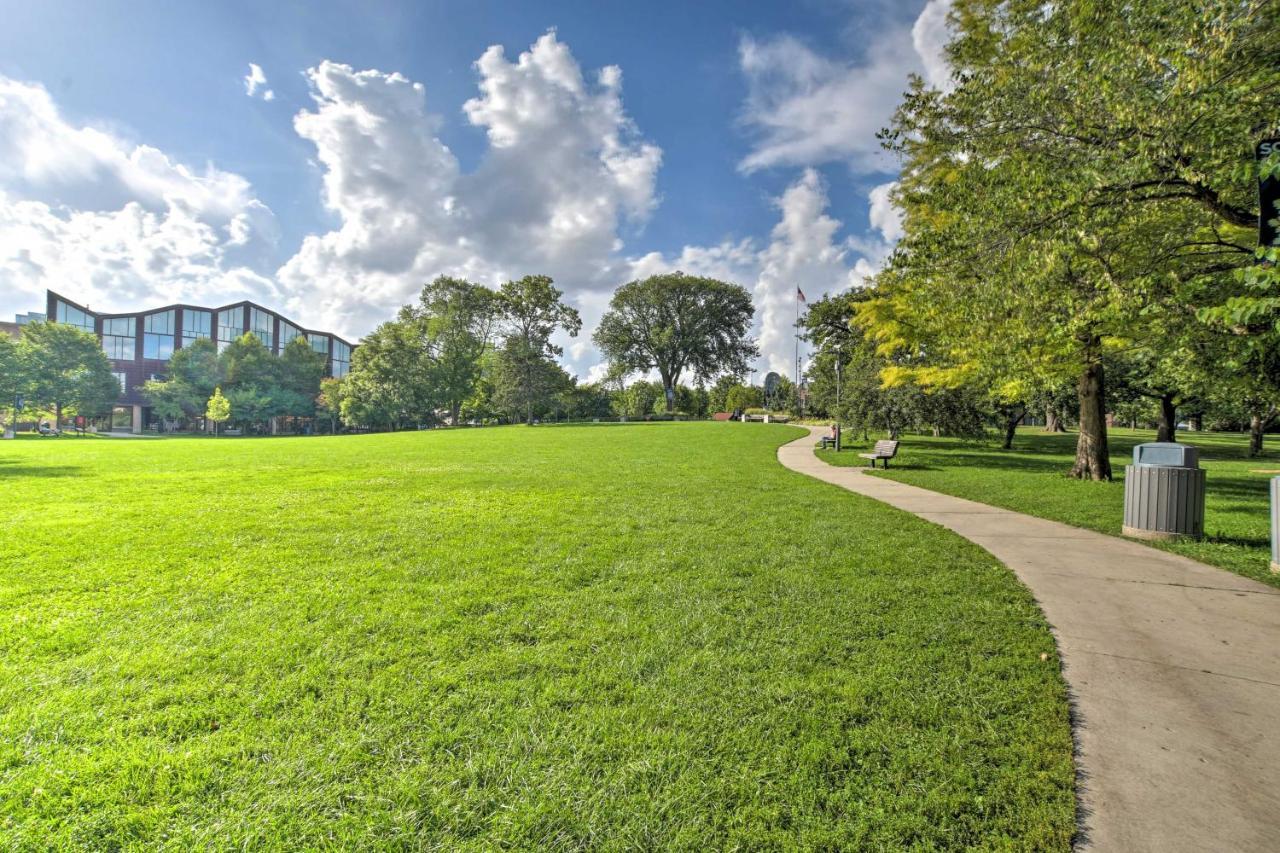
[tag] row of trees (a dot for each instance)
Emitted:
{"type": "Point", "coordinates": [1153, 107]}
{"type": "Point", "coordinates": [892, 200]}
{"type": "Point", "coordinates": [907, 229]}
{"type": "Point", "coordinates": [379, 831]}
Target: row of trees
{"type": "Point", "coordinates": [1079, 214]}
{"type": "Point", "coordinates": [55, 367]}
{"type": "Point", "coordinates": [465, 351]}
{"type": "Point", "coordinates": [259, 385]}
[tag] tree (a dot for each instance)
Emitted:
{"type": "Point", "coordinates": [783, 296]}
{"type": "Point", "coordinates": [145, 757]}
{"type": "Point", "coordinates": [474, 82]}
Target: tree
{"type": "Point", "coordinates": [675, 323]}
{"type": "Point", "coordinates": [526, 383]}
{"type": "Point", "coordinates": [218, 410]}
{"type": "Point", "coordinates": [329, 401]}
{"type": "Point", "coordinates": [299, 373]}
{"type": "Point", "coordinates": [638, 399]}
{"type": "Point", "coordinates": [743, 397]}
{"type": "Point", "coordinates": [13, 378]}
{"type": "Point", "coordinates": [193, 373]}
{"type": "Point", "coordinates": [252, 404]}
{"type": "Point", "coordinates": [196, 365]}
{"type": "Point", "coordinates": [1066, 184]}
{"type": "Point", "coordinates": [585, 401]}
{"type": "Point", "coordinates": [67, 367]}
{"type": "Point", "coordinates": [525, 376]}
{"type": "Point", "coordinates": [247, 361]}
{"type": "Point", "coordinates": [718, 392]}
{"type": "Point", "coordinates": [390, 385]}
{"type": "Point", "coordinates": [458, 320]}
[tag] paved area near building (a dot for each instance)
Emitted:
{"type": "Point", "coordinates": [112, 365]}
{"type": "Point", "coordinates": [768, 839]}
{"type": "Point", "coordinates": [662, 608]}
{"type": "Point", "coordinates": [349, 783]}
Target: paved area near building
{"type": "Point", "coordinates": [1173, 667]}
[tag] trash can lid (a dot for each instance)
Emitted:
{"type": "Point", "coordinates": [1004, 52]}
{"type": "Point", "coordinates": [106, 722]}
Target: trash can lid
{"type": "Point", "coordinates": [1169, 454]}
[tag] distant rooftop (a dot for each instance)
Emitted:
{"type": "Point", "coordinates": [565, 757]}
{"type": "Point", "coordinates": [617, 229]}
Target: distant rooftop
{"type": "Point", "coordinates": [29, 317]}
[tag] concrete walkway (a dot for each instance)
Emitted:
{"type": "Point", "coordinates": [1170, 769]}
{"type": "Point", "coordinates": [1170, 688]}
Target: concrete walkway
{"type": "Point", "coordinates": [1173, 668]}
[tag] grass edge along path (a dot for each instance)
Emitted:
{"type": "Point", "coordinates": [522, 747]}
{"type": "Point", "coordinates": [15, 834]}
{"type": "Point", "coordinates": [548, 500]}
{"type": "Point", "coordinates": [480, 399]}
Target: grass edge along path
{"type": "Point", "coordinates": [1031, 479]}
{"type": "Point", "coordinates": [575, 637]}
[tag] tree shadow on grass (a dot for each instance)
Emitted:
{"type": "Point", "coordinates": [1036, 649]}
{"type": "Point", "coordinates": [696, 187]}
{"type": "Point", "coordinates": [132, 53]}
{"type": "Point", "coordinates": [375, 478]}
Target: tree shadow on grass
{"type": "Point", "coordinates": [13, 468]}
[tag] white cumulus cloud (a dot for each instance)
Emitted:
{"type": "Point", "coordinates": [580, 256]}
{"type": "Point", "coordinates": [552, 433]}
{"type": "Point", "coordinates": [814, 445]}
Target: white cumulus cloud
{"type": "Point", "coordinates": [805, 109]}
{"type": "Point", "coordinates": [118, 224]}
{"type": "Point", "coordinates": [565, 173]}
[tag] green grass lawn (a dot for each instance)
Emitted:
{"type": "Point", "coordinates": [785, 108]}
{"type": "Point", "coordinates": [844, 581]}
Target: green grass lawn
{"type": "Point", "coordinates": [1031, 478]}
{"type": "Point", "coordinates": [640, 636]}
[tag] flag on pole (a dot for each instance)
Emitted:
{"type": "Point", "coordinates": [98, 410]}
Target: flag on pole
{"type": "Point", "coordinates": [800, 296]}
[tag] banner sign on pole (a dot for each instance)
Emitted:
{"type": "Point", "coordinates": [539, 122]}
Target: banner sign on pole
{"type": "Point", "coordinates": [1268, 197]}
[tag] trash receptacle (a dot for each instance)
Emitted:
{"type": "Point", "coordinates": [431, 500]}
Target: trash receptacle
{"type": "Point", "coordinates": [1164, 492]}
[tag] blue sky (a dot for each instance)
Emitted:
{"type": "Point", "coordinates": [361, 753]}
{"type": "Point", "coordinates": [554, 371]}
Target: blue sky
{"type": "Point", "coordinates": [735, 139]}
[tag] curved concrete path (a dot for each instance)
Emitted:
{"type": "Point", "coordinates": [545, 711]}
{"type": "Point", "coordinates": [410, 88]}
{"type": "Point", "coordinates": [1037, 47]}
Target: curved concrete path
{"type": "Point", "coordinates": [1173, 668]}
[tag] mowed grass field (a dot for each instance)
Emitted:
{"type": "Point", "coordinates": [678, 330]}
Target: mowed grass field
{"type": "Point", "coordinates": [609, 637]}
{"type": "Point", "coordinates": [1031, 478]}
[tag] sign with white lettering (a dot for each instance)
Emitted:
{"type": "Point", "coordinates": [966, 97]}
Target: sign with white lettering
{"type": "Point", "coordinates": [1268, 196]}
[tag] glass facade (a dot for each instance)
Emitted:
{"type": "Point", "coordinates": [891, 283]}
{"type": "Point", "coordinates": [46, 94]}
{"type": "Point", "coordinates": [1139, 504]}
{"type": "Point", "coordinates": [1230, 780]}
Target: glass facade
{"type": "Point", "coordinates": [73, 316]}
{"type": "Point", "coordinates": [157, 335]}
{"type": "Point", "coordinates": [163, 331]}
{"type": "Point", "coordinates": [196, 325]}
{"type": "Point", "coordinates": [341, 359]}
{"type": "Point", "coordinates": [230, 326]}
{"type": "Point", "coordinates": [262, 325]}
{"type": "Point", "coordinates": [288, 332]}
{"type": "Point", "coordinates": [119, 338]}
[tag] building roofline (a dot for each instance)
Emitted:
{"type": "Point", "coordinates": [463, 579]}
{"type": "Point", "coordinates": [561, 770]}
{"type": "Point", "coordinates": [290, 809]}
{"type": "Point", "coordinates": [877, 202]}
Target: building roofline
{"type": "Point", "coordinates": [186, 306]}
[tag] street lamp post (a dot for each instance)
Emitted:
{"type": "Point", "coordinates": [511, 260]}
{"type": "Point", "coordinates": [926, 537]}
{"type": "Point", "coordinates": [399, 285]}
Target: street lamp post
{"type": "Point", "coordinates": [838, 360]}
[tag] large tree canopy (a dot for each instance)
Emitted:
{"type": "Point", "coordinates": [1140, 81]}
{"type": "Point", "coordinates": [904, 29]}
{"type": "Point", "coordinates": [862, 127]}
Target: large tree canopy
{"type": "Point", "coordinates": [1073, 193]}
{"type": "Point", "coordinates": [66, 366]}
{"type": "Point", "coordinates": [526, 377]}
{"type": "Point", "coordinates": [676, 323]}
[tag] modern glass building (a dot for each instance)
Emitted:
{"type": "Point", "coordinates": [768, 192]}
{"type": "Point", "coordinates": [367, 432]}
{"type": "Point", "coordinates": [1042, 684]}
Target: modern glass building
{"type": "Point", "coordinates": [139, 344]}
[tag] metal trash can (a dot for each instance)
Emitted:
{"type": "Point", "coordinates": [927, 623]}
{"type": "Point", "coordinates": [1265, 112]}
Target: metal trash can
{"type": "Point", "coordinates": [1275, 524]}
{"type": "Point", "coordinates": [1164, 492]}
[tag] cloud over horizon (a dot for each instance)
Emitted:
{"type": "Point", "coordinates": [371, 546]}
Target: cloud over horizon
{"type": "Point", "coordinates": [566, 180]}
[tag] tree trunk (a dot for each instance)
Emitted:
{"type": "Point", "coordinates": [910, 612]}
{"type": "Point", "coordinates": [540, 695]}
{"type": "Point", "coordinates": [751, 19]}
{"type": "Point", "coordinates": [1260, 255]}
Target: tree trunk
{"type": "Point", "coordinates": [1257, 428]}
{"type": "Point", "coordinates": [1197, 422]}
{"type": "Point", "coordinates": [455, 411]}
{"type": "Point", "coordinates": [1011, 427]}
{"type": "Point", "coordinates": [57, 415]}
{"type": "Point", "coordinates": [1052, 423]}
{"type": "Point", "coordinates": [1093, 462]}
{"type": "Point", "coordinates": [1168, 423]}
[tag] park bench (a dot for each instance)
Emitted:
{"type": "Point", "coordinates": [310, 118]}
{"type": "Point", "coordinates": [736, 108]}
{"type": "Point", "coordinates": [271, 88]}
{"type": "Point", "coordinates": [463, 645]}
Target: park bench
{"type": "Point", "coordinates": [827, 441]}
{"type": "Point", "coordinates": [231, 432]}
{"type": "Point", "coordinates": [885, 450]}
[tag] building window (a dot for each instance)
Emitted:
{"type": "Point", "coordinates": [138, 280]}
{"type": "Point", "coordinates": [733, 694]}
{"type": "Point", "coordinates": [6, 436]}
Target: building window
{"type": "Point", "coordinates": [157, 335]}
{"type": "Point", "coordinates": [118, 338]}
{"type": "Point", "coordinates": [319, 343]}
{"type": "Point", "coordinates": [73, 316]}
{"type": "Point", "coordinates": [230, 326]}
{"type": "Point", "coordinates": [120, 377]}
{"type": "Point", "coordinates": [341, 359]}
{"type": "Point", "coordinates": [288, 332]}
{"type": "Point", "coordinates": [262, 325]}
{"type": "Point", "coordinates": [196, 325]}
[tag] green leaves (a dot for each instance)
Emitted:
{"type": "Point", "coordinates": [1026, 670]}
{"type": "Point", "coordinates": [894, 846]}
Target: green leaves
{"type": "Point", "coordinates": [677, 324]}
